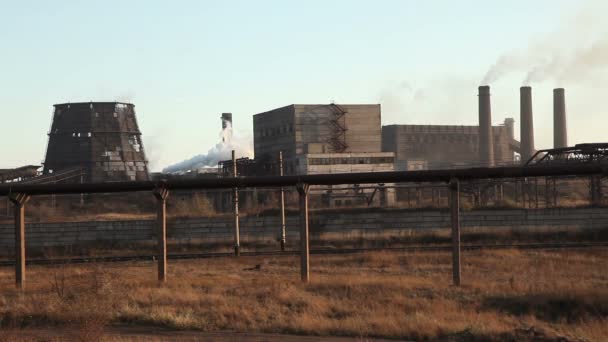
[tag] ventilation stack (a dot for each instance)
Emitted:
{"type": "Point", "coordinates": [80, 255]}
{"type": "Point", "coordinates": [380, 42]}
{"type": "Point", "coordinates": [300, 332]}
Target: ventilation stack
{"type": "Point", "coordinates": [560, 132]}
{"type": "Point", "coordinates": [486, 142]}
{"type": "Point", "coordinates": [527, 124]}
{"type": "Point", "coordinates": [100, 138]}
{"type": "Point", "coordinates": [226, 124]}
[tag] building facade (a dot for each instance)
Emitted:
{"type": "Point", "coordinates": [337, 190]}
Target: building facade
{"type": "Point", "coordinates": [305, 129]}
{"type": "Point", "coordinates": [418, 147]}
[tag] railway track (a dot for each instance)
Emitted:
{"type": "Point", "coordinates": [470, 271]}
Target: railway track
{"type": "Point", "coordinates": [149, 257]}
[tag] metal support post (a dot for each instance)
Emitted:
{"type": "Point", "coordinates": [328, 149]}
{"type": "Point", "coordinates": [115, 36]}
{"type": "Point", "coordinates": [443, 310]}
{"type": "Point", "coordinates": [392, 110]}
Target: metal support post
{"type": "Point", "coordinates": [283, 230]}
{"type": "Point", "coordinates": [455, 219]}
{"type": "Point", "coordinates": [81, 194]}
{"type": "Point", "coordinates": [304, 243]}
{"type": "Point", "coordinates": [19, 200]}
{"type": "Point", "coordinates": [536, 191]}
{"type": "Point", "coordinates": [547, 187]}
{"type": "Point", "coordinates": [235, 200]}
{"type": "Point", "coordinates": [555, 192]}
{"type": "Point", "coordinates": [161, 195]}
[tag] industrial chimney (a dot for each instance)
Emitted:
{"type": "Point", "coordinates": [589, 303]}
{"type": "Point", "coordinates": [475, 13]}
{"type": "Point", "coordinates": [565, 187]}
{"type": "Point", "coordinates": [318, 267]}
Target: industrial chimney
{"type": "Point", "coordinates": [486, 143]}
{"type": "Point", "coordinates": [527, 124]}
{"type": "Point", "coordinates": [560, 132]}
{"type": "Point", "coordinates": [226, 126]}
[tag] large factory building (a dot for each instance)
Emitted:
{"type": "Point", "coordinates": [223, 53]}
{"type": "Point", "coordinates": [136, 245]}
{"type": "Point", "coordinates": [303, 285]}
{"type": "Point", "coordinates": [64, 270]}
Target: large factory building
{"type": "Point", "coordinates": [299, 130]}
{"type": "Point", "coordinates": [327, 138]}
{"type": "Point", "coordinates": [419, 147]}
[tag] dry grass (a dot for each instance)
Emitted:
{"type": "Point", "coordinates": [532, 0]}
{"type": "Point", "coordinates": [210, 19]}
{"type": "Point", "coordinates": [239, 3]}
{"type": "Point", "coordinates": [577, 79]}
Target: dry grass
{"type": "Point", "coordinates": [506, 295]}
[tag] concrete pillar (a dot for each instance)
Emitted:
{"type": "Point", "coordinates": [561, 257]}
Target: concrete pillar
{"type": "Point", "coordinates": [560, 133]}
{"type": "Point", "coordinates": [455, 220]}
{"type": "Point", "coordinates": [304, 237]}
{"type": "Point", "coordinates": [19, 201]}
{"type": "Point", "coordinates": [161, 195]}
{"type": "Point", "coordinates": [526, 124]}
{"type": "Point", "coordinates": [485, 140]}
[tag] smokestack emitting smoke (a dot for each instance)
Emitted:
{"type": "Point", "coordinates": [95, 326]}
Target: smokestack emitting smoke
{"type": "Point", "coordinates": [575, 51]}
{"type": "Point", "coordinates": [227, 125]}
{"type": "Point", "coordinates": [526, 124]}
{"type": "Point", "coordinates": [221, 151]}
{"type": "Point", "coordinates": [560, 132]}
{"type": "Point", "coordinates": [486, 145]}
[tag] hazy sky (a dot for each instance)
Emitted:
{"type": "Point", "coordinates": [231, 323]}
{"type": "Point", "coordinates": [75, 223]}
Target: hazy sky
{"type": "Point", "coordinates": [182, 63]}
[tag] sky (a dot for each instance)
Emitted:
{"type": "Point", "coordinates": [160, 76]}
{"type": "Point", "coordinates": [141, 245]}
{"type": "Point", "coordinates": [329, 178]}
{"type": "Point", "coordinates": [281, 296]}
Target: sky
{"type": "Point", "coordinates": [183, 63]}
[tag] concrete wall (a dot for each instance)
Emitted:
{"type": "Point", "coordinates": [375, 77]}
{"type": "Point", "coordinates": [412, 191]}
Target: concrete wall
{"type": "Point", "coordinates": [362, 123]}
{"type": "Point", "coordinates": [324, 225]}
{"type": "Point", "coordinates": [274, 131]}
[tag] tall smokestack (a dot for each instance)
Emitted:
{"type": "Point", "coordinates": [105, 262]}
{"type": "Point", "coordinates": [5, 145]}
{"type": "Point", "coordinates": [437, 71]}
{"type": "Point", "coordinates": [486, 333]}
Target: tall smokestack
{"type": "Point", "coordinates": [486, 142]}
{"type": "Point", "coordinates": [527, 123]}
{"type": "Point", "coordinates": [226, 123]}
{"type": "Point", "coordinates": [560, 132]}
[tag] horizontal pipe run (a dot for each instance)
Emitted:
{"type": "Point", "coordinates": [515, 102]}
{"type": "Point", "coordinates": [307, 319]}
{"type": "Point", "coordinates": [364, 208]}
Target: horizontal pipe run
{"type": "Point", "coordinates": [324, 179]}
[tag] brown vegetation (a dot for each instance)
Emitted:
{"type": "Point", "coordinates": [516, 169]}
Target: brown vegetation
{"type": "Point", "coordinates": [507, 295]}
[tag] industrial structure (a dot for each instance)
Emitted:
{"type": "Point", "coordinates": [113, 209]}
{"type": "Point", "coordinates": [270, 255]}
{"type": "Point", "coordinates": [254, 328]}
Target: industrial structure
{"type": "Point", "coordinates": [422, 147]}
{"type": "Point", "coordinates": [318, 139]}
{"type": "Point", "coordinates": [298, 130]}
{"type": "Point", "coordinates": [100, 138]}
{"type": "Point", "coordinates": [19, 174]}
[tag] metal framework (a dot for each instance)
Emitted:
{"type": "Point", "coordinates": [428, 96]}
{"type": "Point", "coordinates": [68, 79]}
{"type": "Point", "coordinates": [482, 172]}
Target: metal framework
{"type": "Point", "coordinates": [337, 139]}
{"type": "Point", "coordinates": [18, 174]}
{"type": "Point", "coordinates": [594, 153]}
{"type": "Point", "coordinates": [580, 153]}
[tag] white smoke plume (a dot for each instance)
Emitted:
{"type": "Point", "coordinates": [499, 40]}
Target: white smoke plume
{"type": "Point", "coordinates": [219, 152]}
{"type": "Point", "coordinates": [576, 51]}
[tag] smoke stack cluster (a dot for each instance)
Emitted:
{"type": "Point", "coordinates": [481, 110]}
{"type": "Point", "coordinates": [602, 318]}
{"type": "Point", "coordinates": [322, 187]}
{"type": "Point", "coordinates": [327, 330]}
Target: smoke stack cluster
{"type": "Point", "coordinates": [486, 142]}
{"type": "Point", "coordinates": [527, 124]}
{"type": "Point", "coordinates": [560, 134]}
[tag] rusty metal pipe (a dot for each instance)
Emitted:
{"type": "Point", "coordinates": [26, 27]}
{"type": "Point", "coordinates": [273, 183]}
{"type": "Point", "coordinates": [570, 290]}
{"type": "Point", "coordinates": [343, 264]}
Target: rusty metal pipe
{"type": "Point", "coordinates": [322, 179]}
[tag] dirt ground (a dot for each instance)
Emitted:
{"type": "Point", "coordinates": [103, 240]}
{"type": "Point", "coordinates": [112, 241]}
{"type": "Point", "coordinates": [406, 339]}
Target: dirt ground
{"type": "Point", "coordinates": [505, 296]}
{"type": "Point", "coordinates": [144, 334]}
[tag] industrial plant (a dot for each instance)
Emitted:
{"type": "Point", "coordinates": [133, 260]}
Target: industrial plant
{"type": "Point", "coordinates": [101, 142]}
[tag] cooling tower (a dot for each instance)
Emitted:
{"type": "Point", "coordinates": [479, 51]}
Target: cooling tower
{"type": "Point", "coordinates": [101, 138]}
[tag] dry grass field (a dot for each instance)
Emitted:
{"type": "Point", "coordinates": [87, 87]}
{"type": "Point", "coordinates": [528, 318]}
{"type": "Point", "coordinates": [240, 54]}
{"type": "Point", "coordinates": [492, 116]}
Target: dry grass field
{"type": "Point", "coordinates": [506, 295]}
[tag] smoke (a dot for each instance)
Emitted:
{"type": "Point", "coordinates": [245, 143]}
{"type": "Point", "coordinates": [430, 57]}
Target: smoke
{"type": "Point", "coordinates": [426, 102]}
{"type": "Point", "coordinates": [126, 96]}
{"type": "Point", "coordinates": [219, 152]}
{"type": "Point", "coordinates": [574, 52]}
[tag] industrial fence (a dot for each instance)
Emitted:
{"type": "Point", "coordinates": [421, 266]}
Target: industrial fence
{"type": "Point", "coordinates": [19, 195]}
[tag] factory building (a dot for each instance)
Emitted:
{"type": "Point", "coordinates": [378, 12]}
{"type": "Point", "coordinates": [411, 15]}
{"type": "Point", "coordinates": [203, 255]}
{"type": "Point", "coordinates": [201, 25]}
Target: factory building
{"type": "Point", "coordinates": [315, 129]}
{"type": "Point", "coordinates": [327, 138]}
{"type": "Point", "coordinates": [421, 147]}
